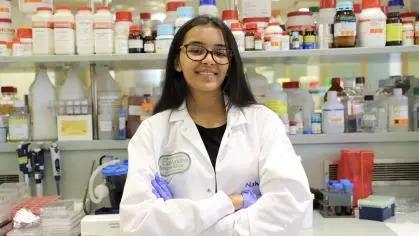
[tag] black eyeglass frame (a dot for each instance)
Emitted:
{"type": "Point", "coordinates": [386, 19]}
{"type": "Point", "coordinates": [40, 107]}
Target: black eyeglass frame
{"type": "Point", "coordinates": [229, 53]}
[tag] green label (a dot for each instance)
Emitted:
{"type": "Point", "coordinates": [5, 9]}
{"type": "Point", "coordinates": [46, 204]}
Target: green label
{"type": "Point", "coordinates": [394, 32]}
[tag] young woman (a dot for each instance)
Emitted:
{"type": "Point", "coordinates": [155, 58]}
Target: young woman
{"type": "Point", "coordinates": [211, 161]}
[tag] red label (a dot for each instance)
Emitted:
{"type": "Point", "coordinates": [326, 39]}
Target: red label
{"type": "Point", "coordinates": [43, 24]}
{"type": "Point", "coordinates": [69, 25]}
{"type": "Point", "coordinates": [102, 25]}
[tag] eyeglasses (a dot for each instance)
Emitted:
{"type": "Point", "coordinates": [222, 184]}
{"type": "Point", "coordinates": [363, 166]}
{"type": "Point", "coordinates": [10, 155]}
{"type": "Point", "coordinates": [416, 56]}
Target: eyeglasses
{"type": "Point", "coordinates": [221, 56]}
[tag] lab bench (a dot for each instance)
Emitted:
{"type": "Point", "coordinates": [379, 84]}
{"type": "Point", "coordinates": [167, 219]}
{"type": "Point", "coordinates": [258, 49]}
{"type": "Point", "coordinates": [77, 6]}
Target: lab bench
{"type": "Point", "coordinates": [356, 227]}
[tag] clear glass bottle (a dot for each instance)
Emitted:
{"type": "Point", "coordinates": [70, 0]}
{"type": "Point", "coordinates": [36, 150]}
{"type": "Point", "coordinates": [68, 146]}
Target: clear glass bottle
{"type": "Point", "coordinates": [369, 122]}
{"type": "Point", "coordinates": [354, 107]}
{"type": "Point", "coordinates": [19, 122]}
{"type": "Point", "coordinates": [398, 112]}
{"type": "Point", "coordinates": [6, 103]}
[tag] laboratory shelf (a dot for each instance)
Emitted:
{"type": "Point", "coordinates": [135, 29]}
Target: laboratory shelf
{"type": "Point", "coordinates": [295, 139]}
{"type": "Point", "coordinates": [158, 60]}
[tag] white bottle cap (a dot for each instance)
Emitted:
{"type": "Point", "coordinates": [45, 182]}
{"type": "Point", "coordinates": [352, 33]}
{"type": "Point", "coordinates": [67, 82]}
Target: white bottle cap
{"type": "Point", "coordinates": [397, 92]}
{"type": "Point", "coordinates": [331, 96]}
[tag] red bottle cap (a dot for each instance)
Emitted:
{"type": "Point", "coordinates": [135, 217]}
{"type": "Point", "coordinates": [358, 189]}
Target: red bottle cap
{"type": "Point", "coordinates": [230, 15]}
{"type": "Point", "coordinates": [8, 89]}
{"type": "Point", "coordinates": [173, 6]}
{"type": "Point", "coordinates": [251, 26]}
{"type": "Point", "coordinates": [291, 85]}
{"type": "Point", "coordinates": [44, 9]}
{"type": "Point", "coordinates": [370, 4]}
{"type": "Point", "coordinates": [236, 27]}
{"type": "Point", "coordinates": [327, 4]}
{"type": "Point", "coordinates": [300, 13]}
{"type": "Point", "coordinates": [256, 19]}
{"type": "Point", "coordinates": [336, 80]}
{"type": "Point", "coordinates": [84, 8]}
{"type": "Point", "coordinates": [135, 28]}
{"type": "Point", "coordinates": [5, 20]}
{"type": "Point", "coordinates": [63, 7]}
{"type": "Point", "coordinates": [145, 15]}
{"type": "Point", "coordinates": [24, 33]}
{"type": "Point", "coordinates": [357, 8]}
{"type": "Point", "coordinates": [123, 16]}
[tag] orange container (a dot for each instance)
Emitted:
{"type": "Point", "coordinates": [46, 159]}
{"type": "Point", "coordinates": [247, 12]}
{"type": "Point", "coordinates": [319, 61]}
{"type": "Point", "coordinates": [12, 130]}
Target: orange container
{"type": "Point", "coordinates": [357, 166]}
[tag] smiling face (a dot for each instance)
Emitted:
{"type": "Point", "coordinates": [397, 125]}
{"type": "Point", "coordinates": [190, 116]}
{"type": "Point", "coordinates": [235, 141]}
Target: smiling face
{"type": "Point", "coordinates": [205, 75]}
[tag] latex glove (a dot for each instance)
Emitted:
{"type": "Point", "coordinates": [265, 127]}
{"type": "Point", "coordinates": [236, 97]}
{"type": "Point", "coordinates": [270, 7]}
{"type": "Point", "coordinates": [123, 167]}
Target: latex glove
{"type": "Point", "coordinates": [249, 197]}
{"type": "Point", "coordinates": [161, 188]}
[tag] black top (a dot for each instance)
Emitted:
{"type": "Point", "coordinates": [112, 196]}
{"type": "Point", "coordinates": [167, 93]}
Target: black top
{"type": "Point", "coordinates": [212, 139]}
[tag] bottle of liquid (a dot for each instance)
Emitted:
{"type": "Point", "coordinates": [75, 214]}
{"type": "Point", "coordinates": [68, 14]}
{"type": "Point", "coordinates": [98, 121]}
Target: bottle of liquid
{"type": "Point", "coordinates": [372, 24]}
{"type": "Point", "coordinates": [416, 109]}
{"type": "Point", "coordinates": [333, 115]}
{"type": "Point", "coordinates": [7, 101]}
{"type": "Point", "coordinates": [109, 100]}
{"type": "Point", "coordinates": [300, 106]}
{"type": "Point", "coordinates": [122, 25]}
{"type": "Point", "coordinates": [208, 7]}
{"type": "Point", "coordinates": [360, 85]}
{"type": "Point", "coordinates": [73, 88]}
{"type": "Point", "coordinates": [398, 112]}
{"type": "Point", "coordinates": [369, 121]}
{"type": "Point", "coordinates": [19, 122]}
{"type": "Point", "coordinates": [258, 84]}
{"type": "Point", "coordinates": [42, 100]}
{"type": "Point", "coordinates": [171, 9]}
{"type": "Point", "coordinates": [136, 112]}
{"type": "Point", "coordinates": [338, 88]}
{"type": "Point", "coordinates": [325, 23]}
{"type": "Point", "coordinates": [276, 100]}
{"type": "Point", "coordinates": [354, 107]}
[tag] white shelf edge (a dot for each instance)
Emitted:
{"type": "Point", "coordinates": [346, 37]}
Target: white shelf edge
{"type": "Point", "coordinates": [349, 138]}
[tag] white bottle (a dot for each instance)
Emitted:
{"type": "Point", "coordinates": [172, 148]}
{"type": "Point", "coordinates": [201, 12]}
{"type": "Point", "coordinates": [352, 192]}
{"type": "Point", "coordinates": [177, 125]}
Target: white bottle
{"type": "Point", "coordinates": [64, 36]}
{"type": "Point", "coordinates": [109, 99]}
{"type": "Point", "coordinates": [42, 100]}
{"type": "Point", "coordinates": [277, 101]}
{"type": "Point", "coordinates": [372, 25]}
{"type": "Point", "coordinates": [171, 9]}
{"type": "Point", "coordinates": [103, 30]}
{"type": "Point", "coordinates": [208, 7]}
{"type": "Point", "coordinates": [42, 32]}
{"type": "Point", "coordinates": [333, 118]}
{"type": "Point", "coordinates": [183, 15]}
{"type": "Point", "coordinates": [84, 31]}
{"type": "Point", "coordinates": [258, 84]}
{"type": "Point", "coordinates": [398, 112]}
{"type": "Point", "coordinates": [236, 29]}
{"type": "Point", "coordinates": [122, 23]}
{"type": "Point", "coordinates": [73, 88]}
{"type": "Point", "coordinates": [326, 20]}
{"type": "Point", "coordinates": [165, 34]}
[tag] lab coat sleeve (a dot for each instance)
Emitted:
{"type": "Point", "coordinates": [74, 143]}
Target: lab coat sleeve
{"type": "Point", "coordinates": [143, 214]}
{"type": "Point", "coordinates": [284, 187]}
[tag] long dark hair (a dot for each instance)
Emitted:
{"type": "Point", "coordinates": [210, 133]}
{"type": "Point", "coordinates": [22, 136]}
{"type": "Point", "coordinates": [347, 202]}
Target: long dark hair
{"type": "Point", "coordinates": [175, 88]}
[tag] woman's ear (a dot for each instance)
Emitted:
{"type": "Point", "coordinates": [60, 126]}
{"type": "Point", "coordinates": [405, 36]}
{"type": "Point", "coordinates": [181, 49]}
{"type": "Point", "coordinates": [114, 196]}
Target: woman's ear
{"type": "Point", "coordinates": [177, 65]}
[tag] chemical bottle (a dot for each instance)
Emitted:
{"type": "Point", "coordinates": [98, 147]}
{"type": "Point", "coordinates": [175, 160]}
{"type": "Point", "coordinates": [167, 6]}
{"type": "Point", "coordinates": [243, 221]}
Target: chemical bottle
{"type": "Point", "coordinates": [73, 88]}
{"type": "Point", "coordinates": [333, 115]}
{"type": "Point", "coordinates": [183, 15]}
{"type": "Point", "coordinates": [398, 112]}
{"type": "Point", "coordinates": [84, 31]}
{"type": "Point", "coordinates": [258, 84]}
{"type": "Point", "coordinates": [369, 121]}
{"type": "Point", "coordinates": [136, 113]}
{"type": "Point", "coordinates": [171, 8]}
{"type": "Point", "coordinates": [300, 106]}
{"type": "Point", "coordinates": [325, 23]}
{"type": "Point", "coordinates": [372, 24]}
{"type": "Point", "coordinates": [64, 36]}
{"type": "Point", "coordinates": [354, 107]}
{"type": "Point", "coordinates": [7, 101]}
{"type": "Point", "coordinates": [396, 6]}
{"type": "Point", "coordinates": [42, 100]}
{"type": "Point", "coordinates": [336, 87]}
{"type": "Point", "coordinates": [208, 7]}
{"type": "Point", "coordinates": [122, 24]}
{"type": "Point", "coordinates": [276, 100]}
{"type": "Point", "coordinates": [42, 32]}
{"type": "Point", "coordinates": [103, 31]}
{"type": "Point", "coordinates": [109, 100]}
{"type": "Point", "coordinates": [19, 126]}
{"type": "Point", "coordinates": [415, 110]}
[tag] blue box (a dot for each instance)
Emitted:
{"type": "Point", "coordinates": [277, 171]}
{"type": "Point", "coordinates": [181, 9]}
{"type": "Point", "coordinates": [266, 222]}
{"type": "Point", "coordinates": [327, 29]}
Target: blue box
{"type": "Point", "coordinates": [378, 208]}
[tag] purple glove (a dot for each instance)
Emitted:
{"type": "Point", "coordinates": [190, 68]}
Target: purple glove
{"type": "Point", "coordinates": [249, 197]}
{"type": "Point", "coordinates": [161, 188]}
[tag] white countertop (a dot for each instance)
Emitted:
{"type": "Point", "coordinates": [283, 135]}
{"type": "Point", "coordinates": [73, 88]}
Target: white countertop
{"type": "Point", "coordinates": [356, 227]}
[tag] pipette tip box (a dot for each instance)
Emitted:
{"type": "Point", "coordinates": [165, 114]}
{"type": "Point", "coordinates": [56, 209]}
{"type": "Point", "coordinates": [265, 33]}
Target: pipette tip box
{"type": "Point", "coordinates": [378, 208]}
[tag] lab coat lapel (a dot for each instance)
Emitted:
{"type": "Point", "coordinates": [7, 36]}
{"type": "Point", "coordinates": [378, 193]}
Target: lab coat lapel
{"type": "Point", "coordinates": [189, 130]}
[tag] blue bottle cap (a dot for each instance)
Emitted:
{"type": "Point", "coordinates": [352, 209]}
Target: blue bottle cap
{"type": "Point", "coordinates": [345, 6]}
{"type": "Point", "coordinates": [348, 187]}
{"type": "Point", "coordinates": [343, 181]}
{"type": "Point", "coordinates": [307, 132]}
{"type": "Point", "coordinates": [393, 3]}
{"type": "Point", "coordinates": [120, 168]}
{"type": "Point", "coordinates": [165, 29]}
{"type": "Point", "coordinates": [337, 186]}
{"type": "Point", "coordinates": [207, 2]}
{"type": "Point", "coordinates": [185, 12]}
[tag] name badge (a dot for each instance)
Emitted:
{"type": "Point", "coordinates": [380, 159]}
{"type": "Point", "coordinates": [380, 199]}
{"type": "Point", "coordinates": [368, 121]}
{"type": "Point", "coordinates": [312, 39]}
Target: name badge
{"type": "Point", "coordinates": [176, 163]}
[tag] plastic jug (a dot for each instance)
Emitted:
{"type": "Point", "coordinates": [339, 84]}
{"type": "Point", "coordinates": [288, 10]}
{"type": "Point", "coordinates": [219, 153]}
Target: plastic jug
{"type": "Point", "coordinates": [42, 100]}
{"type": "Point", "coordinates": [258, 84]}
{"type": "Point", "coordinates": [276, 100]}
{"type": "Point", "coordinates": [109, 100]}
{"type": "Point", "coordinates": [73, 88]}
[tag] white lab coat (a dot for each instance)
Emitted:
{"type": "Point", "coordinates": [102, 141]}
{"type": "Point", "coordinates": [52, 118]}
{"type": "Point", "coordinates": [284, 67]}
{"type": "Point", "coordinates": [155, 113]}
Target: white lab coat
{"type": "Point", "coordinates": [254, 151]}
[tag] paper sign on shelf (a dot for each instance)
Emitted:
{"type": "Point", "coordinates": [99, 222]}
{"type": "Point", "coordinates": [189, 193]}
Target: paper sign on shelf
{"type": "Point", "coordinates": [30, 6]}
{"type": "Point", "coordinates": [259, 8]}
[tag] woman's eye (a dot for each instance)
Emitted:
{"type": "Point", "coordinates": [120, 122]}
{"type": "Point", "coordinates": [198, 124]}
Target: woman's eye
{"type": "Point", "coordinates": [221, 53]}
{"type": "Point", "coordinates": [196, 51]}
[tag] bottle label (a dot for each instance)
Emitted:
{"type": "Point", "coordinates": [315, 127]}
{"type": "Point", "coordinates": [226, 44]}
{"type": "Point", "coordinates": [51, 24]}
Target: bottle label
{"type": "Point", "coordinates": [373, 26]}
{"type": "Point", "coordinates": [310, 42]}
{"type": "Point", "coordinates": [134, 110]}
{"type": "Point", "coordinates": [149, 47]}
{"type": "Point", "coordinates": [249, 42]}
{"type": "Point", "coordinates": [277, 106]}
{"type": "Point", "coordinates": [258, 44]}
{"type": "Point", "coordinates": [399, 116]}
{"type": "Point", "coordinates": [394, 32]}
{"type": "Point", "coordinates": [408, 37]}
{"type": "Point", "coordinates": [105, 125]}
{"type": "Point", "coordinates": [135, 43]}
{"type": "Point", "coordinates": [84, 36]}
{"type": "Point", "coordinates": [121, 125]}
{"type": "Point", "coordinates": [63, 24]}
{"type": "Point", "coordinates": [42, 24]}
{"type": "Point", "coordinates": [18, 128]}
{"type": "Point", "coordinates": [103, 25]}
{"type": "Point", "coordinates": [344, 29]}
{"type": "Point", "coordinates": [333, 117]}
